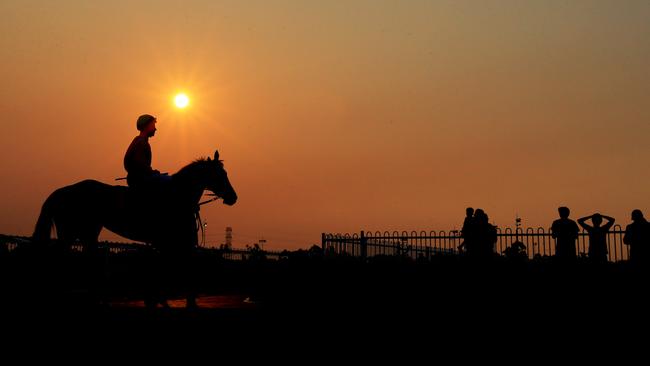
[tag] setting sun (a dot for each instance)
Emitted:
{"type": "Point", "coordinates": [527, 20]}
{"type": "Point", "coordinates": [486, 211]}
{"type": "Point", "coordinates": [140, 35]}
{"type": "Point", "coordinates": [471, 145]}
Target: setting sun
{"type": "Point", "coordinates": [181, 100]}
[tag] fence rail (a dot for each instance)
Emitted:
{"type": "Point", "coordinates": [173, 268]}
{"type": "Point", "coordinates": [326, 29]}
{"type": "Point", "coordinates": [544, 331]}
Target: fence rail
{"type": "Point", "coordinates": [11, 243]}
{"type": "Point", "coordinates": [537, 242]}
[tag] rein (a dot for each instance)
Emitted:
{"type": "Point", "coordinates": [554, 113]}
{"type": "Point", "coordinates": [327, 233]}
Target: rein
{"type": "Point", "coordinates": [197, 215]}
{"type": "Point", "coordinates": [210, 200]}
{"type": "Point", "coordinates": [199, 225]}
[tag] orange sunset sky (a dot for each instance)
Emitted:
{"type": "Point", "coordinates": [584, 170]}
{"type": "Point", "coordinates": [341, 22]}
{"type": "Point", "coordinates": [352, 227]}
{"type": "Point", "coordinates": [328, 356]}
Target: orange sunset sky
{"type": "Point", "coordinates": [335, 116]}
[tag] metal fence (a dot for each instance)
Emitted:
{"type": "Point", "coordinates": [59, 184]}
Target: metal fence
{"type": "Point", "coordinates": [235, 254]}
{"type": "Point", "coordinates": [9, 244]}
{"type": "Point", "coordinates": [537, 242]}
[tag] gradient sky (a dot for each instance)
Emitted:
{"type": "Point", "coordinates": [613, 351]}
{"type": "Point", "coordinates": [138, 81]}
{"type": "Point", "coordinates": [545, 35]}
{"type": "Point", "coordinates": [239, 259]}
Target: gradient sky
{"type": "Point", "coordinates": [335, 116]}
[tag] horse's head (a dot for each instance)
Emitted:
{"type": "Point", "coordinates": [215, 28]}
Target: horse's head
{"type": "Point", "coordinates": [217, 181]}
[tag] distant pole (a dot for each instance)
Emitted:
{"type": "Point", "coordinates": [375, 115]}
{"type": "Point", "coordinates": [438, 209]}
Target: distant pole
{"type": "Point", "coordinates": [262, 243]}
{"type": "Point", "coordinates": [228, 237]}
{"type": "Point", "coordinates": [517, 226]}
{"type": "Point", "coordinates": [205, 227]}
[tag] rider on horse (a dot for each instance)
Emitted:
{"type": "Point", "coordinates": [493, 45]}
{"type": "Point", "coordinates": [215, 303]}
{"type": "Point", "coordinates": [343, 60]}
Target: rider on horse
{"type": "Point", "coordinates": [137, 160]}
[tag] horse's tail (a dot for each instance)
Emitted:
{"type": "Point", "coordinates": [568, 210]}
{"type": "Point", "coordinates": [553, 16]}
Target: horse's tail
{"type": "Point", "coordinates": [45, 221]}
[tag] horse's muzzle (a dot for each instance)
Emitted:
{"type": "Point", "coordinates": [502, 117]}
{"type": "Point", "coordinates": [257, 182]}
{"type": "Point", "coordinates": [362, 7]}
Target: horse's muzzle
{"type": "Point", "coordinates": [229, 200]}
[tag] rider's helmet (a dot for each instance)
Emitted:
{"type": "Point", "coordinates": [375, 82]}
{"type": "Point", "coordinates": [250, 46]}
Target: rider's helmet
{"type": "Point", "coordinates": [144, 120]}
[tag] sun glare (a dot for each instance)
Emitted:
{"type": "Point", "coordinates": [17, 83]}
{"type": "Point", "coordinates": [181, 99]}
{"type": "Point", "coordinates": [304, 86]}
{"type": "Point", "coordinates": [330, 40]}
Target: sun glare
{"type": "Point", "coordinates": [181, 100]}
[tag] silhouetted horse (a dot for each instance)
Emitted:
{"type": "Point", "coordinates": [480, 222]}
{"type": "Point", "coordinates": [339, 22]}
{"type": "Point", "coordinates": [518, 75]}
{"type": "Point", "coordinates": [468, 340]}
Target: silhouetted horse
{"type": "Point", "coordinates": [163, 216]}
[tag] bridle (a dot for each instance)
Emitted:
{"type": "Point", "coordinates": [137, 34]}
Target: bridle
{"type": "Point", "coordinates": [214, 198]}
{"type": "Point", "coordinates": [197, 216]}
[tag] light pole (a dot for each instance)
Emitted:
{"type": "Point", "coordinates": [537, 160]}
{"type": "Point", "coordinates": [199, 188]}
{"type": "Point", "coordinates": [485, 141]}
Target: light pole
{"type": "Point", "coordinates": [261, 243]}
{"type": "Point", "coordinates": [205, 227]}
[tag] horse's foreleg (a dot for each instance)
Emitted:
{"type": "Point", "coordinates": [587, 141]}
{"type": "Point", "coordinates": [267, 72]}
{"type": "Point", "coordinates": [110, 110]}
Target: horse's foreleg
{"type": "Point", "coordinates": [190, 278]}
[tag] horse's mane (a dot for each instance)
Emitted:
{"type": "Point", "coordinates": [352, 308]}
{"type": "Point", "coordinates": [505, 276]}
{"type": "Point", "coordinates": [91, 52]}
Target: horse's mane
{"type": "Point", "coordinates": [191, 168]}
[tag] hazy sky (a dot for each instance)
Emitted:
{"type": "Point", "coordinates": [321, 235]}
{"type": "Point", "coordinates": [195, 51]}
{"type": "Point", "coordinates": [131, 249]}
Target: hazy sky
{"type": "Point", "coordinates": [335, 116]}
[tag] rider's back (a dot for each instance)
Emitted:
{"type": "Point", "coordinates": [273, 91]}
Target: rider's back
{"type": "Point", "coordinates": [137, 161]}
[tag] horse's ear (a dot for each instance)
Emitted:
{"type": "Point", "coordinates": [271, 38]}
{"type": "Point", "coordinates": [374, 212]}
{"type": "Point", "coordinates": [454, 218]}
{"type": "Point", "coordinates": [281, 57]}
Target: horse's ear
{"type": "Point", "coordinates": [216, 155]}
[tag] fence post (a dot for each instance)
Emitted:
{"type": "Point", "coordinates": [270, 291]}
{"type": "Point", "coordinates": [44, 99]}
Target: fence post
{"type": "Point", "coordinates": [322, 241]}
{"type": "Point", "coordinates": [364, 245]}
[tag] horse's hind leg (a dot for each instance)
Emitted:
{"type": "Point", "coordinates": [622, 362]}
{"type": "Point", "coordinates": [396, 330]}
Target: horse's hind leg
{"type": "Point", "coordinates": [65, 237]}
{"type": "Point", "coordinates": [89, 237]}
{"type": "Point", "coordinates": [94, 263]}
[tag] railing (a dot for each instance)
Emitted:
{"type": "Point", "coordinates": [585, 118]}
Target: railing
{"type": "Point", "coordinates": [537, 242]}
{"type": "Point", "coordinates": [11, 243]}
{"type": "Point", "coordinates": [235, 254]}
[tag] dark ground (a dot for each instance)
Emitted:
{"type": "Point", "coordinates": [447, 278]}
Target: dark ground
{"type": "Point", "coordinates": [328, 302]}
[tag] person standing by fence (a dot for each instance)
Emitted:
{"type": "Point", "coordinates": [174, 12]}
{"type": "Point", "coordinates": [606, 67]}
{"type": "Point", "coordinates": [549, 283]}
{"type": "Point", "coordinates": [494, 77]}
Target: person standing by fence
{"type": "Point", "coordinates": [597, 235]}
{"type": "Point", "coordinates": [565, 232]}
{"type": "Point", "coordinates": [466, 231]}
{"type": "Point", "coordinates": [484, 235]}
{"type": "Point", "coordinates": [637, 237]}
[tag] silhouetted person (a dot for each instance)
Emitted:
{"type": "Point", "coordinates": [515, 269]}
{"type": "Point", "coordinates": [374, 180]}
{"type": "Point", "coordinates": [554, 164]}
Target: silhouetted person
{"type": "Point", "coordinates": [467, 227]}
{"type": "Point", "coordinates": [597, 235]}
{"type": "Point", "coordinates": [469, 212]}
{"type": "Point", "coordinates": [482, 236]}
{"type": "Point", "coordinates": [565, 231]}
{"type": "Point", "coordinates": [148, 183]}
{"type": "Point", "coordinates": [637, 236]}
{"type": "Point", "coordinates": [137, 160]}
